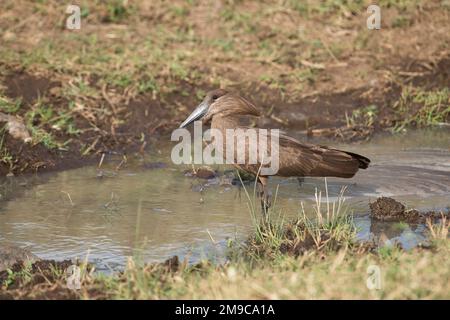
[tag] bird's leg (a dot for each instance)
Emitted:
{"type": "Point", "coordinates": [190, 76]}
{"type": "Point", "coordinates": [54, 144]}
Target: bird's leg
{"type": "Point", "coordinates": [266, 195]}
{"type": "Point", "coordinates": [300, 180]}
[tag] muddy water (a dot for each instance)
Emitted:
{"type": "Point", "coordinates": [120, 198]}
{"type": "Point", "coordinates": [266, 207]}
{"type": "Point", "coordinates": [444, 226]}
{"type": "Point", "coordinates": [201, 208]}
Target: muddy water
{"type": "Point", "coordinates": [150, 210]}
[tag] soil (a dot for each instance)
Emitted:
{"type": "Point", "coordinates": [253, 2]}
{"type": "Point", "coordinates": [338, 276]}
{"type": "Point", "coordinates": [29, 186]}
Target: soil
{"type": "Point", "coordinates": [41, 281]}
{"type": "Point", "coordinates": [203, 172]}
{"type": "Point", "coordinates": [10, 255]}
{"type": "Point", "coordinates": [388, 209]}
{"type": "Point", "coordinates": [47, 279]}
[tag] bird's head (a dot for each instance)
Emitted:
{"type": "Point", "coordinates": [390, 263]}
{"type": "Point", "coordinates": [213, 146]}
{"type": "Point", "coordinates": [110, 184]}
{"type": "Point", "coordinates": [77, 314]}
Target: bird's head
{"type": "Point", "coordinates": [222, 103]}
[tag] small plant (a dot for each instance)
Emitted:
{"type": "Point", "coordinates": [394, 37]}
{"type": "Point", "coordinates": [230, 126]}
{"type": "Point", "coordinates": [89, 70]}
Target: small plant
{"type": "Point", "coordinates": [9, 106]}
{"type": "Point", "coordinates": [364, 116]}
{"type": "Point", "coordinates": [118, 10]}
{"type": "Point", "coordinates": [330, 227]}
{"type": "Point", "coordinates": [402, 22]}
{"type": "Point", "coordinates": [419, 108]}
{"type": "Point", "coordinates": [401, 225]}
{"type": "Point", "coordinates": [148, 85]}
{"type": "Point", "coordinates": [41, 136]}
{"type": "Point", "coordinates": [440, 231]}
{"type": "Point", "coordinates": [306, 75]}
{"type": "Point", "coordinates": [23, 276]}
{"type": "Point", "coordinates": [43, 121]}
{"type": "Point", "coordinates": [5, 155]}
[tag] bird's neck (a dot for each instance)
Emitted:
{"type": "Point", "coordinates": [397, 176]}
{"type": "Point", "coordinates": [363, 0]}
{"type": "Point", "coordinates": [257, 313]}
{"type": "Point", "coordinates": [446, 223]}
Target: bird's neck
{"type": "Point", "coordinates": [224, 122]}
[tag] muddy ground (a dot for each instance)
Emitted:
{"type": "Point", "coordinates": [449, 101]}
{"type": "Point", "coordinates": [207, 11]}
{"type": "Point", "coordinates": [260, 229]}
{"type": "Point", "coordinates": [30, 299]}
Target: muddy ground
{"type": "Point", "coordinates": [389, 209]}
{"type": "Point", "coordinates": [47, 279]}
{"type": "Point", "coordinates": [116, 84]}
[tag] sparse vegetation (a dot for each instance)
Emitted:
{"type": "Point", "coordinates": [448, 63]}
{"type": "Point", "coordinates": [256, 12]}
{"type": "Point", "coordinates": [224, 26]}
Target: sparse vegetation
{"type": "Point", "coordinates": [5, 157]}
{"type": "Point", "coordinates": [8, 106]}
{"type": "Point", "coordinates": [420, 108]}
{"type": "Point", "coordinates": [365, 116]}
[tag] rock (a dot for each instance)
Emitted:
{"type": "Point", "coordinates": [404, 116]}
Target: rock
{"type": "Point", "coordinates": [388, 209]}
{"type": "Point", "coordinates": [205, 172]}
{"type": "Point", "coordinates": [9, 255]}
{"type": "Point", "coordinates": [385, 208]}
{"type": "Point", "coordinates": [16, 128]}
{"type": "Point", "coordinates": [56, 91]}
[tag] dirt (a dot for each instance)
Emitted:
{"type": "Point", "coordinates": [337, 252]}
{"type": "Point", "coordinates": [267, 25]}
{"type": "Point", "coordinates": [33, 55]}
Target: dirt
{"type": "Point", "coordinates": [47, 279]}
{"type": "Point", "coordinates": [203, 172]}
{"type": "Point", "coordinates": [37, 157]}
{"type": "Point", "coordinates": [325, 114]}
{"type": "Point", "coordinates": [28, 87]}
{"type": "Point", "coordinates": [31, 157]}
{"type": "Point", "coordinates": [10, 255]}
{"type": "Point", "coordinates": [388, 209]}
{"type": "Point", "coordinates": [40, 282]}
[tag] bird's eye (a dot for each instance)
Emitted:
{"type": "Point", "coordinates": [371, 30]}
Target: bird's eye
{"type": "Point", "coordinates": [215, 97]}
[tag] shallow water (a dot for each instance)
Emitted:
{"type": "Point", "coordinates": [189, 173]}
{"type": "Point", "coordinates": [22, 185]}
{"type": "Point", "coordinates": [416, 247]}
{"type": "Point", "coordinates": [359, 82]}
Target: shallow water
{"type": "Point", "coordinates": [154, 211]}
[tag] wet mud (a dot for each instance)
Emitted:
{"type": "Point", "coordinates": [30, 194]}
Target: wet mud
{"type": "Point", "coordinates": [389, 210]}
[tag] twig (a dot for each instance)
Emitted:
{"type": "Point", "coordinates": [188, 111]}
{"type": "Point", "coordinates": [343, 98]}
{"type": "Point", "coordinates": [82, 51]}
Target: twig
{"type": "Point", "coordinates": [210, 236]}
{"type": "Point", "coordinates": [91, 147]}
{"type": "Point", "coordinates": [105, 96]}
{"type": "Point", "coordinates": [101, 160]}
{"type": "Point", "coordinates": [70, 198]}
{"type": "Point", "coordinates": [124, 160]}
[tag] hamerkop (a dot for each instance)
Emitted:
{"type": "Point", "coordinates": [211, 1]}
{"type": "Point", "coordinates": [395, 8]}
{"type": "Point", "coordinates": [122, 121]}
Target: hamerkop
{"type": "Point", "coordinates": [295, 158]}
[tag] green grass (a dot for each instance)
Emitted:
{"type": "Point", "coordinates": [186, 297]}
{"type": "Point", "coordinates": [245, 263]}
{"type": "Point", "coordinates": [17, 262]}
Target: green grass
{"type": "Point", "coordinates": [365, 116]}
{"type": "Point", "coordinates": [5, 155]}
{"type": "Point", "coordinates": [422, 108]}
{"type": "Point", "coordinates": [9, 106]}
{"type": "Point", "coordinates": [325, 227]}
{"type": "Point", "coordinates": [122, 60]}
{"type": "Point", "coordinates": [44, 121]}
{"type": "Point", "coordinates": [24, 275]}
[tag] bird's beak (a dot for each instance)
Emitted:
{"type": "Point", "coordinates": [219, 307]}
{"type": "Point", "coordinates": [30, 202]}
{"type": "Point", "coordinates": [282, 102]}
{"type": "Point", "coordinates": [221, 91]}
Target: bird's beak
{"type": "Point", "coordinates": [197, 114]}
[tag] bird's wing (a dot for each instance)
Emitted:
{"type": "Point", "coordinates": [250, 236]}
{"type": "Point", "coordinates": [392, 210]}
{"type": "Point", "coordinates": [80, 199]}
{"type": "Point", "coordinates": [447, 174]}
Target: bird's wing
{"type": "Point", "coordinates": [304, 159]}
{"type": "Point", "coordinates": [296, 158]}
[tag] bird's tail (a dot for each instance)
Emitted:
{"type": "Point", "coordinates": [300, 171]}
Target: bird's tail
{"type": "Point", "coordinates": [342, 164]}
{"type": "Point", "coordinates": [362, 161]}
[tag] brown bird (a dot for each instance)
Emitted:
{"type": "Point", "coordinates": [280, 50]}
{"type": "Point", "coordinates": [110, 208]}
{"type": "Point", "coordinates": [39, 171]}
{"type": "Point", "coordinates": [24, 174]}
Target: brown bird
{"type": "Point", "coordinates": [295, 158]}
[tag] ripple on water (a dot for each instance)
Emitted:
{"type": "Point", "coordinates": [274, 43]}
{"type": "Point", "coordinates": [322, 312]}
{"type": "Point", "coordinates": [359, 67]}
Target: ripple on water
{"type": "Point", "coordinates": [153, 213]}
